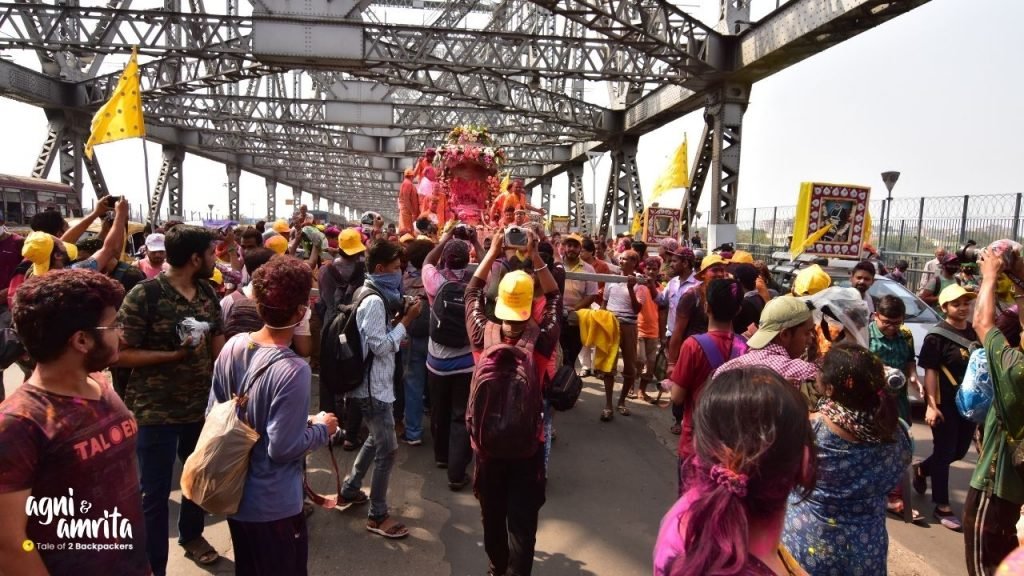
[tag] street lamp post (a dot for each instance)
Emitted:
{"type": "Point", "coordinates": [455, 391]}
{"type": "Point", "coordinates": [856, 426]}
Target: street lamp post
{"type": "Point", "coordinates": [889, 178]}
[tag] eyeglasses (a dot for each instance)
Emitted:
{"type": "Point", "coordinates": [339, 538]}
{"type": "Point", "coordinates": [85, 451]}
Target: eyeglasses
{"type": "Point", "coordinates": [118, 326]}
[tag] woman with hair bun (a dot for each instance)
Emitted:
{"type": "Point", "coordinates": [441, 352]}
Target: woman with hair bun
{"type": "Point", "coordinates": [862, 450]}
{"type": "Point", "coordinates": [753, 448]}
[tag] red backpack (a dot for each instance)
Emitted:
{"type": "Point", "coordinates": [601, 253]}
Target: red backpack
{"type": "Point", "coordinates": [506, 398]}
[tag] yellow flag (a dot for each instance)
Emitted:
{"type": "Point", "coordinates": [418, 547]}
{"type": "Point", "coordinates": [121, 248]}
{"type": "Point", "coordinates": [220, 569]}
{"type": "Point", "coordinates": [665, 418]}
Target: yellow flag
{"type": "Point", "coordinates": [676, 175]}
{"type": "Point", "coordinates": [802, 219]}
{"type": "Point", "coordinates": [505, 183]}
{"type": "Point", "coordinates": [121, 117]}
{"type": "Point", "coordinates": [809, 242]}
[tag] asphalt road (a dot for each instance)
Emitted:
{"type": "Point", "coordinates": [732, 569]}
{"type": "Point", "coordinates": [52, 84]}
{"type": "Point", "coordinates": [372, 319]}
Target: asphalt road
{"type": "Point", "coordinates": [609, 485]}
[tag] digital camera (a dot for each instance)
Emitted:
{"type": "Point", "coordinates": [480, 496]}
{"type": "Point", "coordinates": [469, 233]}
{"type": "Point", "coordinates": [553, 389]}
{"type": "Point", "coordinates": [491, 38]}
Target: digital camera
{"type": "Point", "coordinates": [895, 380]}
{"type": "Point", "coordinates": [516, 237]}
{"type": "Point", "coordinates": [462, 232]}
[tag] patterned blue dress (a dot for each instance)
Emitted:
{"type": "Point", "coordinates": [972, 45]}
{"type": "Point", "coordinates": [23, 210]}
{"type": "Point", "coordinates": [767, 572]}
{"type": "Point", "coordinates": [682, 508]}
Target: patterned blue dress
{"type": "Point", "coordinates": [840, 528]}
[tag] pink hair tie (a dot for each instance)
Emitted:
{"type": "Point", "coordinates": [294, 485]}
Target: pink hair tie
{"type": "Point", "coordinates": [733, 481]}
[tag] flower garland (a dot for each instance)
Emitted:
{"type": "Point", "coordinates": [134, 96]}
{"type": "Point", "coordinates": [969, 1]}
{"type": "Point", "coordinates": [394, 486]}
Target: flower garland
{"type": "Point", "coordinates": [470, 144]}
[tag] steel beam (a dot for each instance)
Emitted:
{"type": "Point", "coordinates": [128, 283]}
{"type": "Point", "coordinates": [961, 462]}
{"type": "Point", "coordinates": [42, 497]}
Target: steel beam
{"type": "Point", "coordinates": [545, 195]}
{"type": "Point", "coordinates": [698, 176]}
{"type": "Point", "coordinates": [725, 115]}
{"type": "Point", "coordinates": [623, 193]}
{"type": "Point", "coordinates": [577, 203]}
{"type": "Point", "coordinates": [234, 174]}
{"type": "Point", "coordinates": [271, 198]}
{"type": "Point", "coordinates": [169, 184]}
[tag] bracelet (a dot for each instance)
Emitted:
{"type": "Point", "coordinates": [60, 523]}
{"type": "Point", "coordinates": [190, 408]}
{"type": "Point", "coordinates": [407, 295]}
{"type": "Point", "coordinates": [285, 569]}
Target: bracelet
{"type": "Point", "coordinates": [535, 270]}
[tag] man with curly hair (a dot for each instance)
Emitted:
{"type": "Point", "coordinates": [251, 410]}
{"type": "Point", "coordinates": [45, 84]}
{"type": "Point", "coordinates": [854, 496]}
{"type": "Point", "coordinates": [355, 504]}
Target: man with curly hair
{"type": "Point", "coordinates": [268, 533]}
{"type": "Point", "coordinates": [66, 434]}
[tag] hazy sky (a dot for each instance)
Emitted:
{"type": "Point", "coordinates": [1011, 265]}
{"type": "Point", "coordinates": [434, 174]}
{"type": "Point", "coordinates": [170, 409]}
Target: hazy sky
{"type": "Point", "coordinates": [935, 94]}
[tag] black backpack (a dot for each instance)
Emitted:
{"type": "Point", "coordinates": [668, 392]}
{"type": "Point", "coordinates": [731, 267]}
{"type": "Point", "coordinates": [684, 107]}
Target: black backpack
{"type": "Point", "coordinates": [448, 315]}
{"type": "Point", "coordinates": [242, 318]}
{"type": "Point", "coordinates": [342, 365]}
{"type": "Point", "coordinates": [564, 389]}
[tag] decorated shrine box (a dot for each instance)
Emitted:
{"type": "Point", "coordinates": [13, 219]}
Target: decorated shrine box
{"type": "Point", "coordinates": [560, 224]}
{"type": "Point", "coordinates": [661, 223]}
{"type": "Point", "coordinates": [834, 217]}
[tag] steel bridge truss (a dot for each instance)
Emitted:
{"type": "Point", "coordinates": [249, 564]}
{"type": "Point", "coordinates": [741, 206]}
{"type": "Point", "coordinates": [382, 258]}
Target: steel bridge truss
{"type": "Point", "coordinates": [333, 98]}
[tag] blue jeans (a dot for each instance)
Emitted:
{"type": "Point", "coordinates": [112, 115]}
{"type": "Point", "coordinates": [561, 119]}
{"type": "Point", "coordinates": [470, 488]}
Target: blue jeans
{"type": "Point", "coordinates": [157, 447]}
{"type": "Point", "coordinates": [380, 448]}
{"type": "Point", "coordinates": [415, 384]}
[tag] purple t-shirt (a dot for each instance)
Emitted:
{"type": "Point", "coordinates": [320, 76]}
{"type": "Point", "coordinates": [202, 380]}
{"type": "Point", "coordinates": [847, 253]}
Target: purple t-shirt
{"type": "Point", "coordinates": [77, 456]}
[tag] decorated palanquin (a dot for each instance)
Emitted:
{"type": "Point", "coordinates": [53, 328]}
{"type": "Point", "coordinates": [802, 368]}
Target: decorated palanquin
{"type": "Point", "coordinates": [467, 167]}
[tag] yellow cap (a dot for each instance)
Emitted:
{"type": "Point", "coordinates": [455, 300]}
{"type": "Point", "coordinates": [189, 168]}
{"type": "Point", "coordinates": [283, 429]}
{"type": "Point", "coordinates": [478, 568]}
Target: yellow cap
{"type": "Point", "coordinates": [954, 292]}
{"type": "Point", "coordinates": [277, 243]}
{"type": "Point", "coordinates": [742, 257]}
{"type": "Point", "coordinates": [37, 249]}
{"type": "Point", "coordinates": [811, 280]}
{"type": "Point", "coordinates": [573, 237]}
{"type": "Point", "coordinates": [71, 250]}
{"type": "Point", "coordinates": [711, 260]}
{"type": "Point", "coordinates": [406, 238]}
{"type": "Point", "coordinates": [217, 277]}
{"type": "Point", "coordinates": [351, 241]}
{"type": "Point", "coordinates": [515, 297]}
{"type": "Point", "coordinates": [280, 226]}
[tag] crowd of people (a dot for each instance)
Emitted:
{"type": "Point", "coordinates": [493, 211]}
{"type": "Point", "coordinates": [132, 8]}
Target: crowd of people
{"type": "Point", "coordinates": [790, 402]}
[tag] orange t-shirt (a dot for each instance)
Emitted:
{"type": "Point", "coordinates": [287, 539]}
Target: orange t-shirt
{"type": "Point", "coordinates": [647, 322]}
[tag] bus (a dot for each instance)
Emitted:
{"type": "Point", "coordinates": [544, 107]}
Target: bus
{"type": "Point", "coordinates": [24, 196]}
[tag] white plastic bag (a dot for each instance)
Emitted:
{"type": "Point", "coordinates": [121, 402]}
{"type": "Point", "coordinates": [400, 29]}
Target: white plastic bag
{"type": "Point", "coordinates": [214, 475]}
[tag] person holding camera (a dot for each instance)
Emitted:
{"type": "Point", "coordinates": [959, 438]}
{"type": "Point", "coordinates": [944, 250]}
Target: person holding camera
{"type": "Point", "coordinates": [382, 336]}
{"type": "Point", "coordinates": [861, 452]}
{"type": "Point", "coordinates": [994, 500]}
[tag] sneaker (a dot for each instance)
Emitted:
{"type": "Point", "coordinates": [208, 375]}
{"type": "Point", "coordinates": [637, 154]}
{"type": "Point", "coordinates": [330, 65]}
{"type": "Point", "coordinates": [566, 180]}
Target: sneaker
{"type": "Point", "coordinates": [457, 486]}
{"type": "Point", "coordinates": [948, 520]}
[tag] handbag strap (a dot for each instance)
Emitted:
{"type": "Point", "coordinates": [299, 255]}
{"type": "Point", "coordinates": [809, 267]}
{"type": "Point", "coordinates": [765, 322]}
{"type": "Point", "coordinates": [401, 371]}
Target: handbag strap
{"type": "Point", "coordinates": [251, 376]}
{"type": "Point", "coordinates": [325, 502]}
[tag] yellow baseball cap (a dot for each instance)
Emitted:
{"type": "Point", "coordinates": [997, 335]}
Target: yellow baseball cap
{"type": "Point", "coordinates": [779, 314]}
{"type": "Point", "coordinates": [280, 226]}
{"type": "Point", "coordinates": [742, 257]}
{"type": "Point", "coordinates": [515, 297]}
{"type": "Point", "coordinates": [406, 238]}
{"type": "Point", "coordinates": [711, 260]}
{"type": "Point", "coordinates": [954, 292]}
{"type": "Point", "coordinates": [37, 249]}
{"type": "Point", "coordinates": [217, 277]}
{"type": "Point", "coordinates": [573, 237]}
{"type": "Point", "coordinates": [351, 241]}
{"type": "Point", "coordinates": [811, 280]}
{"type": "Point", "coordinates": [71, 250]}
{"type": "Point", "coordinates": [277, 243]}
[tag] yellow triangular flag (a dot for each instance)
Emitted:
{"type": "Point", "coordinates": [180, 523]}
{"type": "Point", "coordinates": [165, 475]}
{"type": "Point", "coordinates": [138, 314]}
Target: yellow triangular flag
{"type": "Point", "coordinates": [505, 183]}
{"type": "Point", "coordinates": [810, 242]}
{"type": "Point", "coordinates": [676, 175]}
{"type": "Point", "coordinates": [121, 117]}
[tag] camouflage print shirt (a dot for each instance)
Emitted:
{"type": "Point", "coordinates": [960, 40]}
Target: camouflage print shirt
{"type": "Point", "coordinates": [172, 392]}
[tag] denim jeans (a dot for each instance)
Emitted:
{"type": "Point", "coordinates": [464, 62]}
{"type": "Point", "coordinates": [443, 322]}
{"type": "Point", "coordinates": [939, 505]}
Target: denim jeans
{"type": "Point", "coordinates": [380, 448]}
{"type": "Point", "coordinates": [415, 384]}
{"type": "Point", "coordinates": [158, 446]}
{"type": "Point", "coordinates": [449, 398]}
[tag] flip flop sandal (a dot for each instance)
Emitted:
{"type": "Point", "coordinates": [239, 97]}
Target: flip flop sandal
{"type": "Point", "coordinates": [395, 531]}
{"type": "Point", "coordinates": [624, 410]}
{"type": "Point", "coordinates": [606, 415]}
{"type": "Point", "coordinates": [948, 520]}
{"type": "Point", "coordinates": [896, 509]}
{"type": "Point", "coordinates": [200, 551]}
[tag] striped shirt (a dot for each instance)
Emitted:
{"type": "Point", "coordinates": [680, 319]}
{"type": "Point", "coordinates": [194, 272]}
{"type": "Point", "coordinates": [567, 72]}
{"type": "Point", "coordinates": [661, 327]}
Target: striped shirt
{"type": "Point", "coordinates": [372, 319]}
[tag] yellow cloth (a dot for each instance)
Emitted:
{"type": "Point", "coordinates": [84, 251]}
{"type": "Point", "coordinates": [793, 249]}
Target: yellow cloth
{"type": "Point", "coordinates": [600, 329]}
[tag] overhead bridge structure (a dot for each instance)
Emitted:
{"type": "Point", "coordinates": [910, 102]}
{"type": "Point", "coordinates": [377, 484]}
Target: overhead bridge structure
{"type": "Point", "coordinates": [336, 98]}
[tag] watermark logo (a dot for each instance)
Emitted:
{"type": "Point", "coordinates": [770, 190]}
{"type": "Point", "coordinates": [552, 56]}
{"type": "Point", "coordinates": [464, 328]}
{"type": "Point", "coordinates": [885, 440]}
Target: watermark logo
{"type": "Point", "coordinates": [102, 530]}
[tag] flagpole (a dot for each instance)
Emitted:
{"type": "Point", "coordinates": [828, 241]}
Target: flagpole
{"type": "Point", "coordinates": [149, 197]}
